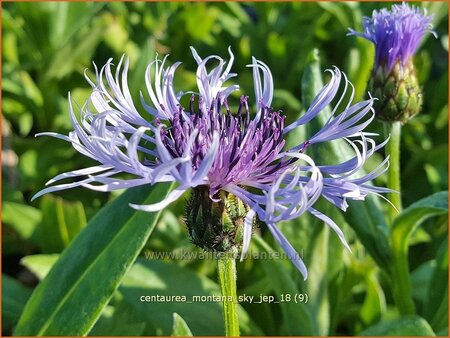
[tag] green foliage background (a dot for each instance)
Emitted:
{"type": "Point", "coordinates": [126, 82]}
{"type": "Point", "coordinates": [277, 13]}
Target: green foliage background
{"type": "Point", "coordinates": [46, 48]}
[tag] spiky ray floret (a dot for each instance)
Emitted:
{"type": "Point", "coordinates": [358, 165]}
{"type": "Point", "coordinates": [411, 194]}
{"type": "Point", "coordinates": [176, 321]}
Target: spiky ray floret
{"type": "Point", "coordinates": [221, 152]}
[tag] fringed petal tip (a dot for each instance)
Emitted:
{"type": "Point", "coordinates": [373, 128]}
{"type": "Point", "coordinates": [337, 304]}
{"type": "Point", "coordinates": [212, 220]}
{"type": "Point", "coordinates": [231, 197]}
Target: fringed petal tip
{"type": "Point", "coordinates": [247, 232]}
{"type": "Point", "coordinates": [36, 195]}
{"type": "Point", "coordinates": [289, 250]}
{"type": "Point", "coordinates": [170, 198]}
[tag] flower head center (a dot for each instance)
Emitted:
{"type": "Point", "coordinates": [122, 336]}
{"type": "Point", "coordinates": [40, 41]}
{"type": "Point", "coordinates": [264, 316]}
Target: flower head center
{"type": "Point", "coordinates": [247, 147]}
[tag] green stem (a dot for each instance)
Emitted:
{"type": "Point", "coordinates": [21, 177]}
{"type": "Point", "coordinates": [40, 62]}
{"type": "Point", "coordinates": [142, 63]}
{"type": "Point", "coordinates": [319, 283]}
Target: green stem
{"type": "Point", "coordinates": [400, 278]}
{"type": "Point", "coordinates": [393, 174]}
{"type": "Point", "coordinates": [227, 276]}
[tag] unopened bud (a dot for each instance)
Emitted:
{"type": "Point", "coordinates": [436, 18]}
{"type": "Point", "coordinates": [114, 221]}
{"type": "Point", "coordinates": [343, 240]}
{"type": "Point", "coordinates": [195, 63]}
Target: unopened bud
{"type": "Point", "coordinates": [216, 226]}
{"type": "Point", "coordinates": [398, 92]}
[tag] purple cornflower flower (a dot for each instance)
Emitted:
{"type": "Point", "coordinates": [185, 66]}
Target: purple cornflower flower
{"type": "Point", "coordinates": [396, 34]}
{"type": "Point", "coordinates": [207, 146]}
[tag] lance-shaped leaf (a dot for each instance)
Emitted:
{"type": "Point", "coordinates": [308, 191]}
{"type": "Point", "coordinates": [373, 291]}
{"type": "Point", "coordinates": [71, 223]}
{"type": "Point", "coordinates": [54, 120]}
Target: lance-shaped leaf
{"type": "Point", "coordinates": [297, 318]}
{"type": "Point", "coordinates": [416, 213]}
{"type": "Point", "coordinates": [405, 326]}
{"type": "Point", "coordinates": [71, 297]}
{"type": "Point", "coordinates": [14, 297]}
{"type": "Point", "coordinates": [180, 328]}
{"type": "Point", "coordinates": [402, 228]}
{"type": "Point", "coordinates": [436, 304]}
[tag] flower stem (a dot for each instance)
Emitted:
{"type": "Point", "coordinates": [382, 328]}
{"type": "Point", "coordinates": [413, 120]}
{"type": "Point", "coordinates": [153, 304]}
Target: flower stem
{"type": "Point", "coordinates": [227, 276]}
{"type": "Point", "coordinates": [400, 277]}
{"type": "Point", "coordinates": [393, 174]}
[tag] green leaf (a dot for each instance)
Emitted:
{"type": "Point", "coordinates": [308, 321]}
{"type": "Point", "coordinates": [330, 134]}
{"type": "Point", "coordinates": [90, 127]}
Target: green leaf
{"type": "Point", "coordinates": [22, 218]}
{"type": "Point", "coordinates": [135, 82]}
{"type": "Point", "coordinates": [9, 47]}
{"type": "Point", "coordinates": [180, 328]}
{"type": "Point", "coordinates": [438, 11]}
{"type": "Point", "coordinates": [338, 11]}
{"type": "Point", "coordinates": [39, 265]}
{"type": "Point", "coordinates": [404, 224]}
{"type": "Point", "coordinates": [168, 234]}
{"type": "Point", "coordinates": [31, 89]}
{"type": "Point", "coordinates": [443, 332]}
{"type": "Point", "coordinates": [406, 326]}
{"type": "Point", "coordinates": [359, 62]}
{"type": "Point", "coordinates": [420, 281]}
{"type": "Point", "coordinates": [402, 228]}
{"type": "Point", "coordinates": [297, 319]}
{"type": "Point", "coordinates": [157, 278]}
{"type": "Point", "coordinates": [71, 297]}
{"type": "Point", "coordinates": [312, 82]}
{"type": "Point", "coordinates": [14, 297]}
{"type": "Point", "coordinates": [317, 282]}
{"type": "Point", "coordinates": [289, 100]}
{"type": "Point", "coordinates": [61, 222]}
{"type": "Point", "coordinates": [436, 304]}
{"type": "Point", "coordinates": [119, 320]}
{"type": "Point", "coordinates": [20, 226]}
{"type": "Point", "coordinates": [368, 222]}
{"type": "Point", "coordinates": [70, 18]}
{"type": "Point", "coordinates": [66, 59]}
{"type": "Point", "coordinates": [374, 303]}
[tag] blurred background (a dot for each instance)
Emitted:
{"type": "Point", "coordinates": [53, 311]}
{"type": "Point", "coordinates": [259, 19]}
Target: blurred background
{"type": "Point", "coordinates": [46, 48]}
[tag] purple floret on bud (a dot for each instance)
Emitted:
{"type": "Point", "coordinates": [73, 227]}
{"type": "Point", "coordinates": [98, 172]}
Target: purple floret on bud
{"type": "Point", "coordinates": [396, 34]}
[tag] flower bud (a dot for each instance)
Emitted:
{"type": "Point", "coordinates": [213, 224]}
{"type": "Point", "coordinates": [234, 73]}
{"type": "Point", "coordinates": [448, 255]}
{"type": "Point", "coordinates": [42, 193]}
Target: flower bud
{"type": "Point", "coordinates": [216, 226]}
{"type": "Point", "coordinates": [396, 34]}
{"type": "Point", "coordinates": [398, 92]}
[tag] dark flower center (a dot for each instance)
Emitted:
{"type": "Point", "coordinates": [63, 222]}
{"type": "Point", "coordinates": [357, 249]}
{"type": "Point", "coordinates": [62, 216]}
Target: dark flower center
{"type": "Point", "coordinates": [248, 149]}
